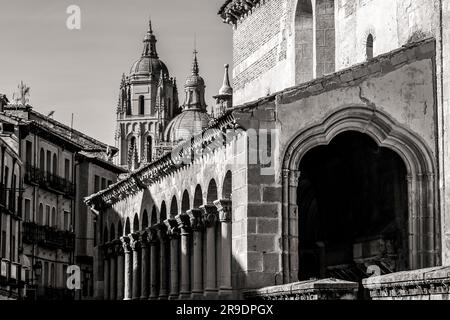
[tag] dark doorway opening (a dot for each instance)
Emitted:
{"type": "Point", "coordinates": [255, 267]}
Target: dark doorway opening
{"type": "Point", "coordinates": [353, 210]}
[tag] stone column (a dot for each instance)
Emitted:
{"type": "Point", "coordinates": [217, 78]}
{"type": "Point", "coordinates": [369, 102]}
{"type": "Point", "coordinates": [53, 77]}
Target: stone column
{"type": "Point", "coordinates": [224, 208]}
{"type": "Point", "coordinates": [128, 268]}
{"type": "Point", "coordinates": [184, 225]}
{"type": "Point", "coordinates": [154, 261]}
{"type": "Point", "coordinates": [162, 235]}
{"type": "Point", "coordinates": [145, 266]}
{"type": "Point", "coordinates": [196, 220]}
{"type": "Point", "coordinates": [174, 234]}
{"type": "Point", "coordinates": [112, 273]}
{"type": "Point", "coordinates": [210, 218]}
{"type": "Point", "coordinates": [106, 279]}
{"type": "Point", "coordinates": [120, 270]}
{"type": "Point", "coordinates": [136, 247]}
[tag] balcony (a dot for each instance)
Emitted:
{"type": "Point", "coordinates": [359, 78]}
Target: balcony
{"type": "Point", "coordinates": [12, 274]}
{"type": "Point", "coordinates": [11, 200]}
{"type": "Point", "coordinates": [48, 237]}
{"type": "Point", "coordinates": [52, 182]}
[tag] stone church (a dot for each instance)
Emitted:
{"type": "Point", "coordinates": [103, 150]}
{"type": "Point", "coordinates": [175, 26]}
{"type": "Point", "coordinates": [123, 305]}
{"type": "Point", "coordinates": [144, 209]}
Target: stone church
{"type": "Point", "coordinates": [321, 173]}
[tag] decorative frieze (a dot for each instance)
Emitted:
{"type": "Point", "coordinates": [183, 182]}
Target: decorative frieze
{"type": "Point", "coordinates": [233, 10]}
{"type": "Point", "coordinates": [210, 215]}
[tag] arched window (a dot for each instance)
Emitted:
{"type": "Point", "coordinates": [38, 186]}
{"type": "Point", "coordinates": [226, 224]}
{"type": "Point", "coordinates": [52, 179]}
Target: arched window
{"type": "Point", "coordinates": [120, 230]}
{"type": "Point", "coordinates": [149, 149]}
{"type": "Point", "coordinates": [55, 164]}
{"type": "Point", "coordinates": [113, 232]}
{"type": "Point", "coordinates": [128, 112]}
{"type": "Point", "coordinates": [173, 207]}
{"type": "Point", "coordinates": [144, 220]}
{"type": "Point", "coordinates": [105, 235]}
{"type": "Point", "coordinates": [42, 160]}
{"type": "Point", "coordinates": [369, 47]}
{"type": "Point", "coordinates": [40, 218]}
{"type": "Point", "coordinates": [54, 217]}
{"type": "Point", "coordinates": [163, 212]}
{"type": "Point", "coordinates": [141, 105]}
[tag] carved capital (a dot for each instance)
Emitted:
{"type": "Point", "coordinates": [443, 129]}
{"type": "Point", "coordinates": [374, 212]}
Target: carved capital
{"type": "Point", "coordinates": [210, 215]}
{"type": "Point", "coordinates": [196, 219]}
{"type": "Point", "coordinates": [224, 207]}
{"type": "Point", "coordinates": [118, 248]}
{"type": "Point", "coordinates": [152, 235]}
{"type": "Point", "coordinates": [135, 241]}
{"type": "Point", "coordinates": [106, 250]}
{"type": "Point", "coordinates": [162, 232]}
{"type": "Point", "coordinates": [143, 238]}
{"type": "Point", "coordinates": [184, 223]}
{"type": "Point", "coordinates": [126, 244]}
{"type": "Point", "coordinates": [172, 228]}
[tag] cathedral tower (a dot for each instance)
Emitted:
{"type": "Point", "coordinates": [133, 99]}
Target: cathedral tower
{"type": "Point", "coordinates": [148, 100]}
{"type": "Point", "coordinates": [224, 100]}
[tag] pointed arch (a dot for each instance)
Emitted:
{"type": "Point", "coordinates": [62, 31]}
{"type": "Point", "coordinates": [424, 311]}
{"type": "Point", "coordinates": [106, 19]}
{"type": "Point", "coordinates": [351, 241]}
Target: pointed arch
{"type": "Point", "coordinates": [198, 196]}
{"type": "Point", "coordinates": [120, 230]}
{"type": "Point", "coordinates": [127, 227]}
{"type": "Point", "coordinates": [227, 186]}
{"type": "Point", "coordinates": [185, 202]}
{"type": "Point", "coordinates": [211, 195]}
{"type": "Point", "coordinates": [144, 220]}
{"type": "Point", "coordinates": [163, 212]}
{"type": "Point", "coordinates": [154, 217]}
{"type": "Point", "coordinates": [369, 46]}
{"type": "Point", "coordinates": [173, 207]}
{"type": "Point", "coordinates": [136, 223]}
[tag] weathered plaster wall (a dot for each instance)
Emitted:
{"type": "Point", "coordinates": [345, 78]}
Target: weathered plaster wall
{"type": "Point", "coordinates": [391, 23]}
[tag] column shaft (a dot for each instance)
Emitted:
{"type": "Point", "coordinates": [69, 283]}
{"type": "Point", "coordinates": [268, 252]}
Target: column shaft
{"type": "Point", "coordinates": [120, 276]}
{"type": "Point", "coordinates": [113, 277]}
{"type": "Point", "coordinates": [145, 265]}
{"type": "Point", "coordinates": [106, 279]}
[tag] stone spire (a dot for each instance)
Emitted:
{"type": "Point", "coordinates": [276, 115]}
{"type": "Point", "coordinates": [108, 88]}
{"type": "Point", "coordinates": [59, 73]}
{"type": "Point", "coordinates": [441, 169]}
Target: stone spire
{"type": "Point", "coordinates": [224, 100]}
{"type": "Point", "coordinates": [150, 43]}
{"type": "Point", "coordinates": [226, 86]}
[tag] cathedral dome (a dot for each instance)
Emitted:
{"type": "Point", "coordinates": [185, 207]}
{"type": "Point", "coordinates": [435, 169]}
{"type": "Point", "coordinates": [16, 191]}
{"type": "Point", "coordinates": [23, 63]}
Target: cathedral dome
{"type": "Point", "coordinates": [187, 124]}
{"type": "Point", "coordinates": [194, 81]}
{"type": "Point", "coordinates": [147, 65]}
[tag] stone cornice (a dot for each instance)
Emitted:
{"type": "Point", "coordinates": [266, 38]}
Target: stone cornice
{"type": "Point", "coordinates": [233, 10]}
{"type": "Point", "coordinates": [165, 166]}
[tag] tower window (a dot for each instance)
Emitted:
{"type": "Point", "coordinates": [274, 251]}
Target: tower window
{"type": "Point", "coordinates": [141, 105]}
{"type": "Point", "coordinates": [369, 47]}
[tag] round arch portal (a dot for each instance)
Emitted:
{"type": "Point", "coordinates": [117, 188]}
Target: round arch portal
{"type": "Point", "coordinates": [420, 173]}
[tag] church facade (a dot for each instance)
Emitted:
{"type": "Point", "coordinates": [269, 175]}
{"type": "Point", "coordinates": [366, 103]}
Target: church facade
{"type": "Point", "coordinates": [323, 173]}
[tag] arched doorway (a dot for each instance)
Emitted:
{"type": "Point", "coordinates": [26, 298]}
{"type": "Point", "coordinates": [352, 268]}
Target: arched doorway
{"type": "Point", "coordinates": [353, 210]}
{"type": "Point", "coordinates": [423, 223]}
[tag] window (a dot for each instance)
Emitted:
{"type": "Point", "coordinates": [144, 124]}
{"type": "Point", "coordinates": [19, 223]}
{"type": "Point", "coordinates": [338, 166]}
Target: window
{"type": "Point", "coordinates": [40, 218]}
{"type": "Point", "coordinates": [96, 184]}
{"type": "Point", "coordinates": [49, 161]}
{"type": "Point", "coordinates": [369, 47]}
{"type": "Point", "coordinates": [55, 164]}
{"type": "Point", "coordinates": [54, 217]}
{"type": "Point", "coordinates": [67, 221]}
{"type": "Point", "coordinates": [42, 160]}
{"type": "Point", "coordinates": [103, 183]}
{"type": "Point", "coordinates": [141, 105]}
{"type": "Point", "coordinates": [28, 210]}
{"type": "Point", "coordinates": [47, 216]}
{"type": "Point", "coordinates": [4, 243]}
{"type": "Point", "coordinates": [13, 249]}
{"type": "Point", "coordinates": [45, 273]}
{"type": "Point", "coordinates": [109, 183]}
{"type": "Point", "coordinates": [67, 169]}
{"type": "Point", "coordinates": [29, 152]}
{"type": "Point", "coordinates": [95, 233]}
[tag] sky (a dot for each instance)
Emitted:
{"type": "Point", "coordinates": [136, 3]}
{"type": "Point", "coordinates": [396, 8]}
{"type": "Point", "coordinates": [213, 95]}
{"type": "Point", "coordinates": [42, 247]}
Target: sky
{"type": "Point", "coordinates": [79, 71]}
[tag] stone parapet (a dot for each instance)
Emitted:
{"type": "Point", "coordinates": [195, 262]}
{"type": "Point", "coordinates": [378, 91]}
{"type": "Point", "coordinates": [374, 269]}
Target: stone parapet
{"type": "Point", "coordinates": [325, 289]}
{"type": "Point", "coordinates": [422, 284]}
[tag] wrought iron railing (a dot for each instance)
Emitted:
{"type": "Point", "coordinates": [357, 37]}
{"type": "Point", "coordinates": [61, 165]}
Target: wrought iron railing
{"type": "Point", "coordinates": [48, 237]}
{"type": "Point", "coordinates": [49, 180]}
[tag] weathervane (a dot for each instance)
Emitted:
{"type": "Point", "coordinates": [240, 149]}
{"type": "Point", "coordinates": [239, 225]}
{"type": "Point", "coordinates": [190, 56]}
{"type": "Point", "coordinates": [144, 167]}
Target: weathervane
{"type": "Point", "coordinates": [23, 96]}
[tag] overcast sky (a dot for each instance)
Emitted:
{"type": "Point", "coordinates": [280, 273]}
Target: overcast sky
{"type": "Point", "coordinates": [79, 71]}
